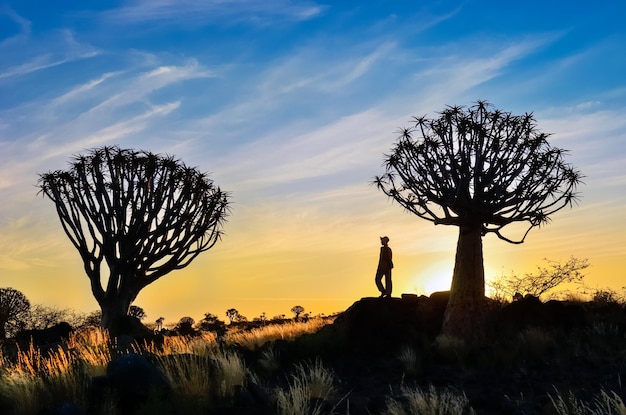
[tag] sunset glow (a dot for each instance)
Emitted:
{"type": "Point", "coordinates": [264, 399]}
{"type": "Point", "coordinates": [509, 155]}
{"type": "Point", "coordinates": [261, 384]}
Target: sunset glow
{"type": "Point", "coordinates": [291, 105]}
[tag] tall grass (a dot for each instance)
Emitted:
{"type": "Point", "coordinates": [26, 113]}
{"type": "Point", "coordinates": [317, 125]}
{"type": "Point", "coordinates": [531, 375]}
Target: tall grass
{"type": "Point", "coordinates": [410, 360]}
{"type": "Point", "coordinates": [606, 403]}
{"type": "Point", "coordinates": [415, 401]}
{"type": "Point", "coordinates": [35, 379]}
{"type": "Point", "coordinates": [310, 390]}
{"type": "Point", "coordinates": [257, 337]}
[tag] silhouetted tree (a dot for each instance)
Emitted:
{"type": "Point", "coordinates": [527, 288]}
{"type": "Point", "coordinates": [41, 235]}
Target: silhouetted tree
{"type": "Point", "coordinates": [136, 311]}
{"type": "Point", "coordinates": [185, 326]}
{"type": "Point", "coordinates": [14, 308]}
{"type": "Point", "coordinates": [297, 310]}
{"type": "Point", "coordinates": [480, 169]}
{"type": "Point", "coordinates": [42, 317]}
{"type": "Point", "coordinates": [136, 216]}
{"type": "Point", "coordinates": [93, 318]}
{"type": "Point", "coordinates": [158, 324]}
{"type": "Point", "coordinates": [232, 313]}
{"type": "Point", "coordinates": [548, 278]}
{"type": "Point", "coordinates": [211, 322]}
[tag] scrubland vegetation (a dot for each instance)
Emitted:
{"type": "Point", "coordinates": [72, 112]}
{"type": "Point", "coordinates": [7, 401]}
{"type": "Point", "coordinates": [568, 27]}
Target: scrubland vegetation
{"type": "Point", "coordinates": [567, 359]}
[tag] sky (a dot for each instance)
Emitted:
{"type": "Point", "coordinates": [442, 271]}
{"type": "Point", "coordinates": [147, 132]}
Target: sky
{"type": "Point", "coordinates": [291, 106]}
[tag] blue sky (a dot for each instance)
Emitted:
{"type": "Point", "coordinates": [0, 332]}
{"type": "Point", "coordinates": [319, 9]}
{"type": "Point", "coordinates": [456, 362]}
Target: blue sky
{"type": "Point", "coordinates": [291, 106]}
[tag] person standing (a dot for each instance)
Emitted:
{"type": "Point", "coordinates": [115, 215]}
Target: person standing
{"type": "Point", "coordinates": [385, 264]}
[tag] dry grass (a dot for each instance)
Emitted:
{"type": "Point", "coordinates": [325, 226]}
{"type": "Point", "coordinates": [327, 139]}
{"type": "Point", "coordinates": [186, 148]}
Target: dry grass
{"type": "Point", "coordinates": [451, 349]}
{"type": "Point", "coordinates": [409, 359]}
{"type": "Point", "coordinates": [431, 401]}
{"type": "Point", "coordinates": [606, 403]}
{"type": "Point", "coordinates": [310, 387]}
{"type": "Point", "coordinates": [256, 338]}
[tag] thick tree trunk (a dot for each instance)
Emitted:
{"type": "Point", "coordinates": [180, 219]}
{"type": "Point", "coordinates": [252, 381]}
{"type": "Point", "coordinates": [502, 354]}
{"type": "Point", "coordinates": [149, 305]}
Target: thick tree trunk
{"type": "Point", "coordinates": [465, 311]}
{"type": "Point", "coordinates": [113, 308]}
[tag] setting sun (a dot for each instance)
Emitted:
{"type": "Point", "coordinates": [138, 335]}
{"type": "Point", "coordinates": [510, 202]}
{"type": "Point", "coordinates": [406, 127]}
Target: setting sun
{"type": "Point", "coordinates": [436, 277]}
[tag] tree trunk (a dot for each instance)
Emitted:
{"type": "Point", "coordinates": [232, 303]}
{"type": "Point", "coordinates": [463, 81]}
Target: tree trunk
{"type": "Point", "coordinates": [465, 311]}
{"type": "Point", "coordinates": [114, 307]}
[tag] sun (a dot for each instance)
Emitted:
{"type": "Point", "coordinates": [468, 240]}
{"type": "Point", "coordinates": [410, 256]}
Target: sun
{"type": "Point", "coordinates": [436, 277]}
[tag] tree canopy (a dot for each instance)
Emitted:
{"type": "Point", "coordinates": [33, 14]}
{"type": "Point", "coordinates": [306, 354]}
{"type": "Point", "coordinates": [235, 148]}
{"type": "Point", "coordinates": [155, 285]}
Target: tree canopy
{"type": "Point", "coordinates": [479, 165]}
{"type": "Point", "coordinates": [137, 215]}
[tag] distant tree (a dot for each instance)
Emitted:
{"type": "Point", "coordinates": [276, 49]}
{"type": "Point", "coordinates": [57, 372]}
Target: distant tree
{"type": "Point", "coordinates": [158, 324]}
{"type": "Point", "coordinates": [14, 308]}
{"type": "Point", "coordinates": [232, 313]}
{"type": "Point", "coordinates": [479, 169]}
{"type": "Point", "coordinates": [137, 312]}
{"type": "Point", "coordinates": [136, 216]}
{"type": "Point", "coordinates": [211, 322]}
{"type": "Point", "coordinates": [93, 319]}
{"type": "Point", "coordinates": [184, 326]}
{"type": "Point", "coordinates": [209, 319]}
{"type": "Point", "coordinates": [278, 317]}
{"type": "Point", "coordinates": [41, 317]}
{"type": "Point", "coordinates": [543, 281]}
{"type": "Point", "coordinates": [297, 310]}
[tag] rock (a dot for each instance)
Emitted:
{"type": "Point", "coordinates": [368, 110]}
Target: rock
{"type": "Point", "coordinates": [134, 380]}
{"type": "Point", "coordinates": [64, 408]}
{"type": "Point", "coordinates": [375, 324]}
{"type": "Point", "coordinates": [44, 337]}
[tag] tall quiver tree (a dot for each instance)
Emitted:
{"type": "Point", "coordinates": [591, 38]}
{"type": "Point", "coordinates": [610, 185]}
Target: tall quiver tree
{"type": "Point", "coordinates": [480, 169]}
{"type": "Point", "coordinates": [136, 216]}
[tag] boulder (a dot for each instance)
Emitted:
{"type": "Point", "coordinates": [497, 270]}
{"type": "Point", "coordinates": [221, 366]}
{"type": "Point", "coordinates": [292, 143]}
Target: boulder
{"type": "Point", "coordinates": [133, 380]}
{"type": "Point", "coordinates": [381, 324]}
{"type": "Point", "coordinates": [44, 339]}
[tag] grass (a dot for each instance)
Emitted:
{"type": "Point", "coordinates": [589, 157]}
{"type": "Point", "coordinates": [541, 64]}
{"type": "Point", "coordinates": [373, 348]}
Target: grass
{"type": "Point", "coordinates": [310, 390]}
{"type": "Point", "coordinates": [253, 339]}
{"type": "Point", "coordinates": [207, 375]}
{"type": "Point", "coordinates": [605, 403]}
{"type": "Point", "coordinates": [415, 401]}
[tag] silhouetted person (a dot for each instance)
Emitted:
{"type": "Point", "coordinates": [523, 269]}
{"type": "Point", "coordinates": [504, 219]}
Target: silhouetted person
{"type": "Point", "coordinates": [385, 264]}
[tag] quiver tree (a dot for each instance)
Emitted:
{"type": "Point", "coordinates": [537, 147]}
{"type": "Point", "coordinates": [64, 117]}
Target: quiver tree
{"type": "Point", "coordinates": [480, 169]}
{"type": "Point", "coordinates": [136, 216]}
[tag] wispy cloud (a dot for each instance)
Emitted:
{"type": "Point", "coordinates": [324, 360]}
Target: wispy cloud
{"type": "Point", "coordinates": [80, 90]}
{"type": "Point", "coordinates": [66, 50]}
{"type": "Point", "coordinates": [194, 12]}
{"type": "Point", "coordinates": [23, 24]}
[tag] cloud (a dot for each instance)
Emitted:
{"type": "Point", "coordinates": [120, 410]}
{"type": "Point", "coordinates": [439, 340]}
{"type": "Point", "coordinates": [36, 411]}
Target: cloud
{"type": "Point", "coordinates": [24, 26]}
{"type": "Point", "coordinates": [199, 12]}
{"type": "Point", "coordinates": [66, 49]}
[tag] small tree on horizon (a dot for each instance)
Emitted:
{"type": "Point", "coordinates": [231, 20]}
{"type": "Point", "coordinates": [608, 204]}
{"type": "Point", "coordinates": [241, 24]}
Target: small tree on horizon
{"type": "Point", "coordinates": [479, 169]}
{"type": "Point", "coordinates": [297, 310]}
{"type": "Point", "coordinates": [134, 216]}
{"type": "Point", "coordinates": [137, 312]}
{"type": "Point", "coordinates": [232, 314]}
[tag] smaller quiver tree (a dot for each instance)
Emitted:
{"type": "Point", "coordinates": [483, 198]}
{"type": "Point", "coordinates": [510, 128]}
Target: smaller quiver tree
{"type": "Point", "coordinates": [135, 216]}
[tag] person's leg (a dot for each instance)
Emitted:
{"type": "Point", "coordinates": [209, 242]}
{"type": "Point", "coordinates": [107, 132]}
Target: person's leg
{"type": "Point", "coordinates": [388, 285]}
{"type": "Point", "coordinates": [379, 284]}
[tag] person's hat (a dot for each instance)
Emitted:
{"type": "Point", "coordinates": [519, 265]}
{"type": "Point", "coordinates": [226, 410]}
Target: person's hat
{"type": "Point", "coordinates": [384, 238]}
